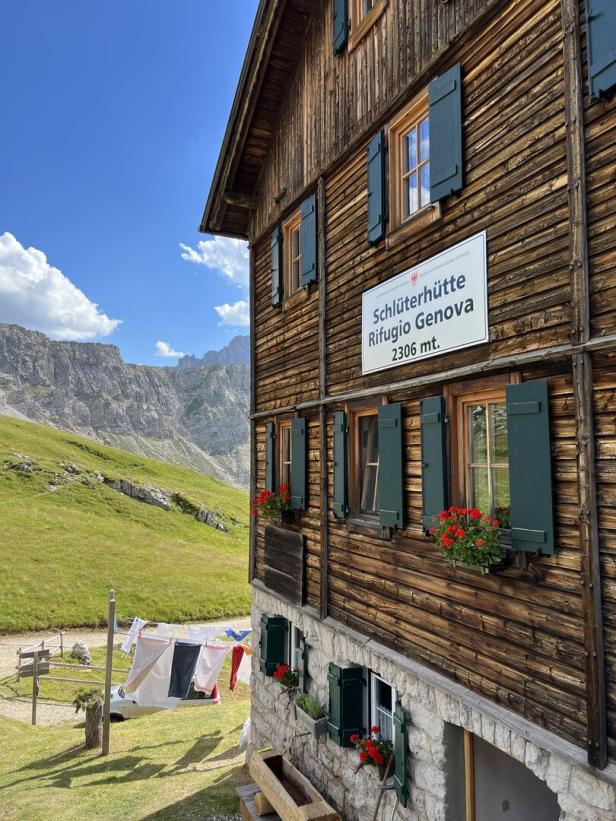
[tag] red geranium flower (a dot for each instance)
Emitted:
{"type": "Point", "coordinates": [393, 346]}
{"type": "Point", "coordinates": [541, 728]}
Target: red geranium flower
{"type": "Point", "coordinates": [363, 757]}
{"type": "Point", "coordinates": [375, 729]}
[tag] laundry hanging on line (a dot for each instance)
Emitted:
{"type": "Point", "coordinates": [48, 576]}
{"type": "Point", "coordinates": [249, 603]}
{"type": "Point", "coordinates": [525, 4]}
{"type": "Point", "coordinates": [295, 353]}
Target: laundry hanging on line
{"type": "Point", "coordinates": [237, 636]}
{"type": "Point", "coordinates": [185, 657]}
{"type": "Point", "coordinates": [153, 691]}
{"type": "Point", "coordinates": [209, 665]}
{"type": "Point", "coordinates": [148, 651]}
{"type": "Point", "coordinates": [245, 668]}
{"type": "Point", "coordinates": [131, 637]}
{"type": "Point", "coordinates": [237, 654]}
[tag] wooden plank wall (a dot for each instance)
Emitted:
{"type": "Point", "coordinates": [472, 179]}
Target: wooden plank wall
{"type": "Point", "coordinates": [331, 100]}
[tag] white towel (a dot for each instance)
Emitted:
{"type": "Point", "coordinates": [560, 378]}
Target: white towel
{"type": "Point", "coordinates": [204, 633]}
{"type": "Point", "coordinates": [148, 651]}
{"type": "Point", "coordinates": [169, 629]}
{"type": "Point", "coordinates": [244, 670]}
{"type": "Point", "coordinates": [208, 667]}
{"type": "Point", "coordinates": [152, 692]}
{"type": "Point", "coordinates": [132, 634]}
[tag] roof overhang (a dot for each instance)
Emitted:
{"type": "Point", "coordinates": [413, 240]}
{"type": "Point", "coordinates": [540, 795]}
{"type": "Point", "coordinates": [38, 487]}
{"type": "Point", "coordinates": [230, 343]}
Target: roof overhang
{"type": "Point", "coordinates": [273, 50]}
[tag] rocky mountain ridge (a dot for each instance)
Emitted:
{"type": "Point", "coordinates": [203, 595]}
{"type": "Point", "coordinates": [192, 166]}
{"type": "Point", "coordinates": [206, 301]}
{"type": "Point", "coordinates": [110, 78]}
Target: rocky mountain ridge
{"type": "Point", "coordinates": [195, 416]}
{"type": "Point", "coordinates": [237, 352]}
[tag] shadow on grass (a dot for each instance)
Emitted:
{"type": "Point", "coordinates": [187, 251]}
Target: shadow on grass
{"type": "Point", "coordinates": [217, 798]}
{"type": "Point", "coordinates": [62, 770]}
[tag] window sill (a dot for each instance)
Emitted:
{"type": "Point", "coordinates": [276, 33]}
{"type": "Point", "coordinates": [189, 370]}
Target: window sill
{"type": "Point", "coordinates": [369, 528]}
{"type": "Point", "coordinates": [295, 299]}
{"type": "Point", "coordinates": [363, 27]}
{"type": "Point", "coordinates": [429, 214]}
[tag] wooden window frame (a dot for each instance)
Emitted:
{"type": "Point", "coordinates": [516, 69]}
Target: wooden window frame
{"type": "Point", "coordinates": [399, 225]}
{"type": "Point", "coordinates": [289, 226]}
{"type": "Point", "coordinates": [354, 414]}
{"type": "Point", "coordinates": [372, 711]}
{"type": "Point", "coordinates": [281, 426]}
{"type": "Point", "coordinates": [362, 23]}
{"type": "Point", "coordinates": [457, 396]}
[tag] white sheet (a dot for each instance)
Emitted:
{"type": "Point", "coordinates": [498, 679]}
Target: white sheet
{"type": "Point", "coordinates": [208, 667]}
{"type": "Point", "coordinates": [132, 634]}
{"type": "Point", "coordinates": [146, 655]}
{"type": "Point", "coordinates": [152, 692]}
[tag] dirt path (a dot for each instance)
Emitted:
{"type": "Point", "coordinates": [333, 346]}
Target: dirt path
{"type": "Point", "coordinates": [52, 712]}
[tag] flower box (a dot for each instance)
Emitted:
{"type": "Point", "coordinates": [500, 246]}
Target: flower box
{"type": "Point", "coordinates": [484, 569]}
{"type": "Point", "coordinates": [317, 726]}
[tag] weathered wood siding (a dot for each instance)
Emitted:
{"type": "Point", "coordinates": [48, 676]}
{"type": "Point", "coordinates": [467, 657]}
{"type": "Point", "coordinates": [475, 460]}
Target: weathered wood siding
{"type": "Point", "coordinates": [331, 100]}
{"type": "Point", "coordinates": [517, 637]}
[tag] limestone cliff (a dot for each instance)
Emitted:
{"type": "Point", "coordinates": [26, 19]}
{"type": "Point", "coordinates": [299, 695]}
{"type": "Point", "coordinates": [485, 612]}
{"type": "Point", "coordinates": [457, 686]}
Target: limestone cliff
{"type": "Point", "coordinates": [197, 416]}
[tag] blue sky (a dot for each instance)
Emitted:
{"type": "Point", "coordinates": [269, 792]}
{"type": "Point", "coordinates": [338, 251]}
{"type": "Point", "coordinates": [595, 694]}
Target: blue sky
{"type": "Point", "coordinates": [113, 112]}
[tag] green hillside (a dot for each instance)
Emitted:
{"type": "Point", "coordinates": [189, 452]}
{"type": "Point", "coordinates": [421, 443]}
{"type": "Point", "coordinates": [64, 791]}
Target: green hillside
{"type": "Point", "coordinates": [66, 537]}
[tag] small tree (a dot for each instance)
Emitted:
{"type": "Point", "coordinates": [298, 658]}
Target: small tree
{"type": "Point", "coordinates": [91, 702]}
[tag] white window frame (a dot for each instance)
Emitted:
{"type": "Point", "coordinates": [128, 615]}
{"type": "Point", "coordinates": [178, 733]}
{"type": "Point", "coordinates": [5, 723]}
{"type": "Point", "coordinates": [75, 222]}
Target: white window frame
{"type": "Point", "coordinates": [293, 646]}
{"type": "Point", "coordinates": [373, 714]}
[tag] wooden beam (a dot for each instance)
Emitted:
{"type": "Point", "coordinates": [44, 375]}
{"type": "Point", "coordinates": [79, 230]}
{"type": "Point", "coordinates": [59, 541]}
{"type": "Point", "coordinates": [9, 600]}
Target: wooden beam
{"type": "Point", "coordinates": [596, 704]}
{"type": "Point", "coordinates": [322, 258]}
{"type": "Point", "coordinates": [555, 353]}
{"type": "Point", "coordinates": [253, 435]}
{"type": "Point", "coordinates": [240, 200]}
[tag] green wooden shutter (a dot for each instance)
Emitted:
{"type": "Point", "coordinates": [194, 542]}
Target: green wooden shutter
{"type": "Point", "coordinates": [276, 266]}
{"type": "Point", "coordinates": [341, 506]}
{"type": "Point", "coordinates": [391, 469]}
{"type": "Point", "coordinates": [445, 114]}
{"type": "Point", "coordinates": [298, 464]}
{"type": "Point", "coordinates": [401, 751]}
{"type": "Point", "coordinates": [274, 631]}
{"type": "Point", "coordinates": [270, 441]}
{"type": "Point", "coordinates": [341, 25]}
{"type": "Point", "coordinates": [308, 240]}
{"type": "Point", "coordinates": [303, 670]}
{"type": "Point", "coordinates": [346, 699]}
{"type": "Point", "coordinates": [601, 29]}
{"type": "Point", "coordinates": [530, 467]}
{"type": "Point", "coordinates": [433, 460]}
{"type": "Point", "coordinates": [376, 188]}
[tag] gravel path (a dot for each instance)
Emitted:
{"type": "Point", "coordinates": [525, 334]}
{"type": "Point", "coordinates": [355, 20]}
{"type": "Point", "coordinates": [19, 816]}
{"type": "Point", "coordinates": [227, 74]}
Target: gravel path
{"type": "Point", "coordinates": [51, 712]}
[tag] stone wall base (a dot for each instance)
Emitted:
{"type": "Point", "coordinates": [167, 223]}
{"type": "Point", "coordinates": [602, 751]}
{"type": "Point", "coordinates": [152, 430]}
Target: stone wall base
{"type": "Point", "coordinates": [434, 776]}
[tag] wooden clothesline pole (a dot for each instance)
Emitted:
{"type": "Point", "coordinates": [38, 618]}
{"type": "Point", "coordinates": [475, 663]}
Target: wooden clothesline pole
{"type": "Point", "coordinates": [108, 669]}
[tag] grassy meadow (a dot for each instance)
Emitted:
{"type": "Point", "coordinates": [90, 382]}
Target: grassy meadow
{"type": "Point", "coordinates": [62, 549]}
{"type": "Point", "coordinates": [181, 764]}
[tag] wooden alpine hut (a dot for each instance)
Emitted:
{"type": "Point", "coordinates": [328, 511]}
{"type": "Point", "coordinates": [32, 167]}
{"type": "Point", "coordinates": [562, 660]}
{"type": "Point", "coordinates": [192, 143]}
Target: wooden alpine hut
{"type": "Point", "coordinates": [428, 189]}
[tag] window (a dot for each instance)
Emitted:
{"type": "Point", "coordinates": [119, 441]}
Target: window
{"type": "Point", "coordinates": [382, 700]}
{"type": "Point", "coordinates": [284, 452]}
{"type": "Point", "coordinates": [409, 164]}
{"type": "Point", "coordinates": [292, 253]}
{"type": "Point", "coordinates": [364, 472]}
{"type": "Point", "coordinates": [364, 14]}
{"type": "Point", "coordinates": [295, 659]}
{"type": "Point", "coordinates": [480, 451]}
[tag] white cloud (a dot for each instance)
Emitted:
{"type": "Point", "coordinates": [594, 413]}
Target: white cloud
{"type": "Point", "coordinates": [38, 296]}
{"type": "Point", "coordinates": [236, 314]}
{"type": "Point", "coordinates": [165, 350]}
{"type": "Point", "coordinates": [226, 255]}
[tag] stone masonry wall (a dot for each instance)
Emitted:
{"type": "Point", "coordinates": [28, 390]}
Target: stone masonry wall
{"type": "Point", "coordinates": [431, 714]}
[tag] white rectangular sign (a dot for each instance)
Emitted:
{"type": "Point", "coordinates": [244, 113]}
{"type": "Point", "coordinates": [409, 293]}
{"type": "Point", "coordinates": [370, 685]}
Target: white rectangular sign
{"type": "Point", "coordinates": [437, 306]}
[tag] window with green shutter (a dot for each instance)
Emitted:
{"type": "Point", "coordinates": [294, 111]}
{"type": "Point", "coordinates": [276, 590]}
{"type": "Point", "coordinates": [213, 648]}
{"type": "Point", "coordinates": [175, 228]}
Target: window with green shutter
{"type": "Point", "coordinates": [308, 240]}
{"type": "Point", "coordinates": [433, 459]}
{"type": "Point", "coordinates": [298, 464]}
{"type": "Point", "coordinates": [445, 114]}
{"type": "Point", "coordinates": [530, 467]}
{"type": "Point", "coordinates": [376, 188]}
{"type": "Point", "coordinates": [601, 36]}
{"type": "Point", "coordinates": [346, 703]}
{"type": "Point", "coordinates": [273, 647]}
{"type": "Point", "coordinates": [340, 500]}
{"type": "Point", "coordinates": [401, 751]}
{"type": "Point", "coordinates": [391, 467]}
{"type": "Point", "coordinates": [276, 266]}
{"type": "Point", "coordinates": [270, 459]}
